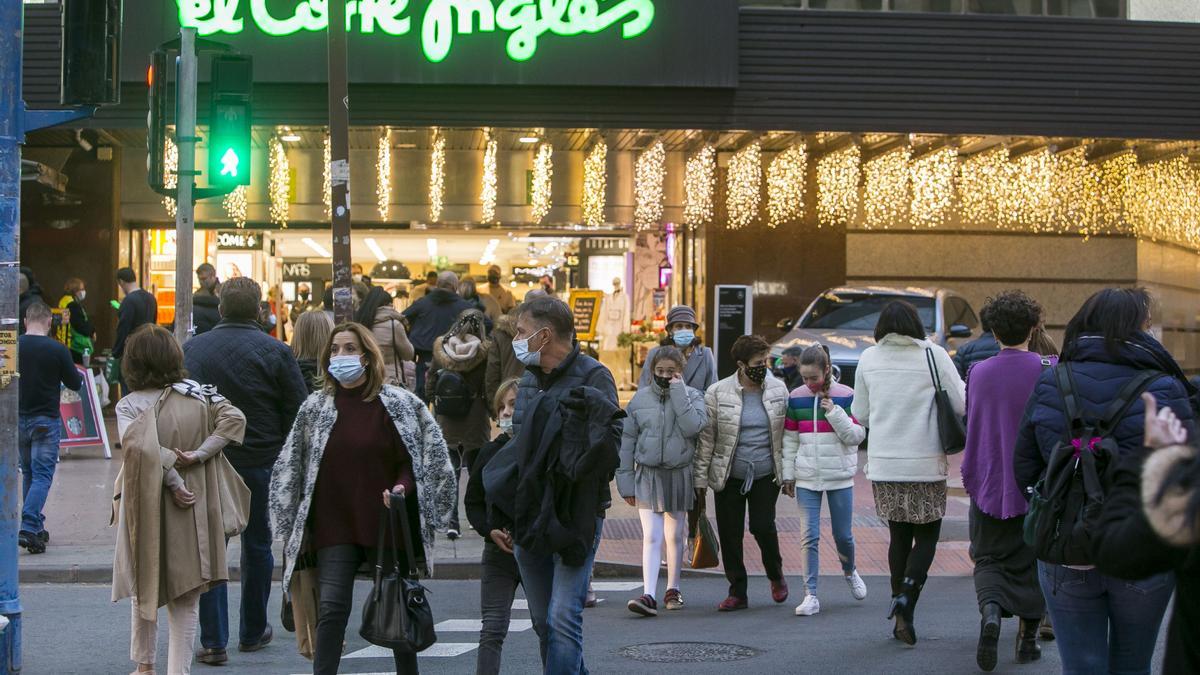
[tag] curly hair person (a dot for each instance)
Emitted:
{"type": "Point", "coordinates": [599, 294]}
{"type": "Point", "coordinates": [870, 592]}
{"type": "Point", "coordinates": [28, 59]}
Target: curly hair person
{"type": "Point", "coordinates": [1013, 315]}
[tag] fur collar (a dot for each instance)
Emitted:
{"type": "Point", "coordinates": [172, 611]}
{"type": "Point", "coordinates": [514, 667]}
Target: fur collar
{"type": "Point", "coordinates": [1166, 516]}
{"type": "Point", "coordinates": [507, 324]}
{"type": "Point", "coordinates": [458, 354]}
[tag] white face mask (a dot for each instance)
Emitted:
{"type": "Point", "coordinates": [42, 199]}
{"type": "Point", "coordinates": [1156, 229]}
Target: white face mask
{"type": "Point", "coordinates": [81, 295]}
{"type": "Point", "coordinates": [505, 424]}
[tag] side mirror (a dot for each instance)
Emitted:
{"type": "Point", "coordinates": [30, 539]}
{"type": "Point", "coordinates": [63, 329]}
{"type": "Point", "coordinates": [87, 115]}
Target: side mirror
{"type": "Point", "coordinates": [785, 325]}
{"type": "Point", "coordinates": [960, 331]}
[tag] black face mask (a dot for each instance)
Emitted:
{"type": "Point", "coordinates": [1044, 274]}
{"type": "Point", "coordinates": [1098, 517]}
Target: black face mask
{"type": "Point", "coordinates": [493, 279]}
{"type": "Point", "coordinates": [662, 382]}
{"type": "Point", "coordinates": [303, 296]}
{"type": "Point", "coordinates": [756, 374]}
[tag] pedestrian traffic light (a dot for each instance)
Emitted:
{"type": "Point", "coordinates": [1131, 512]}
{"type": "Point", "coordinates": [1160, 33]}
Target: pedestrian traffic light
{"type": "Point", "coordinates": [156, 120]}
{"type": "Point", "coordinates": [229, 121]}
{"type": "Point", "coordinates": [91, 52]}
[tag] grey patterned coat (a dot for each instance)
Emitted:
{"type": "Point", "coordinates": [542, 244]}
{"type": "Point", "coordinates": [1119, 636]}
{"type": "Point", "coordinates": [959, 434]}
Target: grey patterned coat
{"type": "Point", "coordinates": [295, 474]}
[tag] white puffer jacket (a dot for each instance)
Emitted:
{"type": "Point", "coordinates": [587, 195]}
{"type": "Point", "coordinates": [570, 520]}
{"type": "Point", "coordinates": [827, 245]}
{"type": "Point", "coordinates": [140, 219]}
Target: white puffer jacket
{"type": "Point", "coordinates": [893, 399]}
{"type": "Point", "coordinates": [718, 440]}
{"type": "Point", "coordinates": [820, 449]}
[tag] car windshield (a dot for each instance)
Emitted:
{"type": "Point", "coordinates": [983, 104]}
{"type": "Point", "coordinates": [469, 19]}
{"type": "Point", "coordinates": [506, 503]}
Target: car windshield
{"type": "Point", "coordinates": [860, 311]}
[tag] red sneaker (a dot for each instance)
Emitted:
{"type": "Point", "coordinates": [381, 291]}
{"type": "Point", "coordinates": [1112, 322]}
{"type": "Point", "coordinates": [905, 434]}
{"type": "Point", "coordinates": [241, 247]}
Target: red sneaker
{"type": "Point", "coordinates": [732, 604]}
{"type": "Point", "coordinates": [779, 590]}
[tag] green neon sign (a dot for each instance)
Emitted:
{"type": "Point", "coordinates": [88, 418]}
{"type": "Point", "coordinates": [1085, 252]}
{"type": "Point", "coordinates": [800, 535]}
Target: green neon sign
{"type": "Point", "coordinates": [526, 21]}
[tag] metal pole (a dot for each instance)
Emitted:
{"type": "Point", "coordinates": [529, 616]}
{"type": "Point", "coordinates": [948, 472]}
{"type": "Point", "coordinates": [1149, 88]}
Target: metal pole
{"type": "Point", "coordinates": [12, 111]}
{"type": "Point", "coordinates": [185, 139]}
{"type": "Point", "coordinates": [339, 158]}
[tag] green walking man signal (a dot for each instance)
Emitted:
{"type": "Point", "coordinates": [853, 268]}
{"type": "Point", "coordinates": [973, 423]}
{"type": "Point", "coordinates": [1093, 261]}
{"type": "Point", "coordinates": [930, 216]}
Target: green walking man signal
{"type": "Point", "coordinates": [229, 121]}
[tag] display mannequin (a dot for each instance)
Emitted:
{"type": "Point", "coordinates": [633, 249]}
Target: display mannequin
{"type": "Point", "coordinates": [614, 320]}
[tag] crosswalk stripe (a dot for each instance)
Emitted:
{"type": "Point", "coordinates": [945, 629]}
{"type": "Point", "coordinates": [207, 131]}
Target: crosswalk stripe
{"type": "Point", "coordinates": [615, 585]}
{"type": "Point", "coordinates": [475, 625]}
{"type": "Point", "coordinates": [438, 650]}
{"type": "Point", "coordinates": [521, 603]}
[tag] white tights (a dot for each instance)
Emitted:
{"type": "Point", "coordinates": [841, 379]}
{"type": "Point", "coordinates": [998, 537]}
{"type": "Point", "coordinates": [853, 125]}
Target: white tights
{"type": "Point", "coordinates": [652, 546]}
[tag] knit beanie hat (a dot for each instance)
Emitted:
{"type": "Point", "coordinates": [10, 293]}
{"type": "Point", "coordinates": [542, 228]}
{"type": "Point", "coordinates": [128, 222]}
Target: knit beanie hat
{"type": "Point", "coordinates": [682, 314]}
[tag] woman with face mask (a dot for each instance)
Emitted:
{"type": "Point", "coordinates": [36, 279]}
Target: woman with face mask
{"type": "Point", "coordinates": [700, 367]}
{"type": "Point", "coordinates": [79, 333]}
{"type": "Point", "coordinates": [356, 439]}
{"type": "Point", "coordinates": [499, 576]}
{"type": "Point", "coordinates": [740, 456]}
{"type": "Point", "coordinates": [655, 475]}
{"type": "Point", "coordinates": [820, 458]}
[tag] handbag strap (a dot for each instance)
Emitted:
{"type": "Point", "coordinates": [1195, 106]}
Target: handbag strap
{"type": "Point", "coordinates": [933, 373]}
{"type": "Point", "coordinates": [397, 362]}
{"type": "Point", "coordinates": [401, 511]}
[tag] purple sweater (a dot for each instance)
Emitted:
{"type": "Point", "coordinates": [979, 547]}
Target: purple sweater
{"type": "Point", "coordinates": [997, 391]}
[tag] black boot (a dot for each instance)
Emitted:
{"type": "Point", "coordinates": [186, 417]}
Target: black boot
{"type": "Point", "coordinates": [903, 606]}
{"type": "Point", "coordinates": [989, 636]}
{"type": "Point", "coordinates": [1028, 649]}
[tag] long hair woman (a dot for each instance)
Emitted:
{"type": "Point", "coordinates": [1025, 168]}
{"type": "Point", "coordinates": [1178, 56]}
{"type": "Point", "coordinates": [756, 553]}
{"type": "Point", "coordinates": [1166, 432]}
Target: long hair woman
{"type": "Point", "coordinates": [169, 515]}
{"type": "Point", "coordinates": [309, 338]}
{"type": "Point", "coordinates": [379, 315]}
{"type": "Point", "coordinates": [655, 475]}
{"type": "Point", "coordinates": [893, 399]}
{"type": "Point", "coordinates": [1103, 623]}
{"type": "Point", "coordinates": [359, 439]}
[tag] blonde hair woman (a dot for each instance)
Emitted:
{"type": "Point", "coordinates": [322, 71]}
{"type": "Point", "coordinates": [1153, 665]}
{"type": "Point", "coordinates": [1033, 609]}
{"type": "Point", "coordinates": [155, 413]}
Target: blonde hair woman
{"type": "Point", "coordinates": [309, 338]}
{"type": "Point", "coordinates": [355, 439]}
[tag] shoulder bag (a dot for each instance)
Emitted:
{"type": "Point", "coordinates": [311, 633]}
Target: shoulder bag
{"type": "Point", "coordinates": [705, 549]}
{"type": "Point", "coordinates": [396, 614]}
{"type": "Point", "coordinates": [951, 431]}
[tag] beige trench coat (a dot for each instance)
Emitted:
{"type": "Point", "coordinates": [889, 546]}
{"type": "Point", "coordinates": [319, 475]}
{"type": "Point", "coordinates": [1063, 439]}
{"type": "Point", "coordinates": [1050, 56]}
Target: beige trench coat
{"type": "Point", "coordinates": [164, 551]}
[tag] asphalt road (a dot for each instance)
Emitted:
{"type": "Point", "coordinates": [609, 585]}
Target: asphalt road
{"type": "Point", "coordinates": [74, 628]}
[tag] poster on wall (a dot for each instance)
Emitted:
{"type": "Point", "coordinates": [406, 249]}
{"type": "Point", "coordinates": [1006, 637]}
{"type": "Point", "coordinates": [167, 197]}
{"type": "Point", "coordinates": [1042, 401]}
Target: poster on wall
{"type": "Point", "coordinates": [79, 414]}
{"type": "Point", "coordinates": [733, 317]}
{"type": "Point", "coordinates": [649, 257]}
{"type": "Point", "coordinates": [234, 265]}
{"type": "Point", "coordinates": [585, 307]}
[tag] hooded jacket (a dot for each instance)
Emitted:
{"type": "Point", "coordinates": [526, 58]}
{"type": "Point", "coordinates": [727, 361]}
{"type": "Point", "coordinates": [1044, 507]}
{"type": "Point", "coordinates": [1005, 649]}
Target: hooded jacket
{"type": "Point", "coordinates": [893, 399]}
{"type": "Point", "coordinates": [718, 440]}
{"type": "Point", "coordinates": [820, 449]}
{"type": "Point", "coordinates": [467, 357]}
{"type": "Point", "coordinates": [1099, 376]}
{"type": "Point", "coordinates": [502, 363]}
{"type": "Point", "coordinates": [432, 316]}
{"type": "Point", "coordinates": [661, 428]}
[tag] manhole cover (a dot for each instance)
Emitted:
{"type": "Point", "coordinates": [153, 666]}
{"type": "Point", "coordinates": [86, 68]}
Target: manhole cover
{"type": "Point", "coordinates": [687, 652]}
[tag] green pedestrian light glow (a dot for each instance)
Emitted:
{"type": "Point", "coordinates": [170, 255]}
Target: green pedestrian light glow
{"type": "Point", "coordinates": [229, 163]}
{"type": "Point", "coordinates": [525, 21]}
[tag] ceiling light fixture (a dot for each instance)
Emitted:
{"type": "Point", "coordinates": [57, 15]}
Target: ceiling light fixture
{"type": "Point", "coordinates": [374, 246]}
{"type": "Point", "coordinates": [528, 140]}
{"type": "Point", "coordinates": [289, 136]}
{"type": "Point", "coordinates": [317, 248]}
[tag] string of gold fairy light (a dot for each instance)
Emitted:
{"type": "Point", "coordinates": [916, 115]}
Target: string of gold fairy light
{"type": "Point", "coordinates": [932, 180]}
{"type": "Point", "coordinates": [886, 196]}
{"type": "Point", "coordinates": [786, 177]}
{"type": "Point", "coordinates": [744, 186]}
{"type": "Point", "coordinates": [383, 175]}
{"type": "Point", "coordinates": [488, 191]}
{"type": "Point", "coordinates": [234, 204]}
{"type": "Point", "coordinates": [543, 175]}
{"type": "Point", "coordinates": [595, 184]}
{"type": "Point", "coordinates": [170, 174]}
{"type": "Point", "coordinates": [649, 175]}
{"type": "Point", "coordinates": [838, 175]}
{"type": "Point", "coordinates": [699, 186]}
{"type": "Point", "coordinates": [279, 182]}
{"type": "Point", "coordinates": [437, 176]}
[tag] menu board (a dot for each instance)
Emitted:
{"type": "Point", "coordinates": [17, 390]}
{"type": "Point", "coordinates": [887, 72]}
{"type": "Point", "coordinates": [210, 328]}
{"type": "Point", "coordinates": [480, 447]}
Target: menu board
{"type": "Point", "coordinates": [79, 413]}
{"type": "Point", "coordinates": [733, 318]}
{"type": "Point", "coordinates": [585, 306]}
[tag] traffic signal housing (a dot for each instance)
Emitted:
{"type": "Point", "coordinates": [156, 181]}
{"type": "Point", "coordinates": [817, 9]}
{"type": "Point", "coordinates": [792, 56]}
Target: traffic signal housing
{"type": "Point", "coordinates": [156, 120]}
{"type": "Point", "coordinates": [91, 52]}
{"type": "Point", "coordinates": [229, 121]}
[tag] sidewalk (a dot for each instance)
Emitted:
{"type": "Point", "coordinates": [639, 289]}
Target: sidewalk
{"type": "Point", "coordinates": [81, 541]}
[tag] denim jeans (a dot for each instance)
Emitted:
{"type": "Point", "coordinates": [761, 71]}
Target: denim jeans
{"type": "Point", "coordinates": [498, 581]}
{"type": "Point", "coordinates": [556, 593]}
{"type": "Point", "coordinates": [841, 512]}
{"type": "Point", "coordinates": [257, 565]}
{"type": "Point", "coordinates": [38, 446]}
{"type": "Point", "coordinates": [1091, 610]}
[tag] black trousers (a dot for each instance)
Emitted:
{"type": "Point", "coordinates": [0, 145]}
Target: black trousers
{"type": "Point", "coordinates": [731, 507]}
{"type": "Point", "coordinates": [911, 550]}
{"type": "Point", "coordinates": [336, 569]}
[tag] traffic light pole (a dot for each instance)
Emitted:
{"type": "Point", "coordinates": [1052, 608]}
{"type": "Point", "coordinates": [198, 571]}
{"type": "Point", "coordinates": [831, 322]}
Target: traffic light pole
{"type": "Point", "coordinates": [339, 158]}
{"type": "Point", "coordinates": [185, 139]}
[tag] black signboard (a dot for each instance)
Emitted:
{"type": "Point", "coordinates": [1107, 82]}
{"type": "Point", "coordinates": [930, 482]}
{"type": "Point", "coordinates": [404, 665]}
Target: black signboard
{"type": "Point", "coordinates": [304, 271]}
{"type": "Point", "coordinates": [733, 315]}
{"type": "Point", "coordinates": [240, 240]}
{"type": "Point", "coordinates": [635, 43]}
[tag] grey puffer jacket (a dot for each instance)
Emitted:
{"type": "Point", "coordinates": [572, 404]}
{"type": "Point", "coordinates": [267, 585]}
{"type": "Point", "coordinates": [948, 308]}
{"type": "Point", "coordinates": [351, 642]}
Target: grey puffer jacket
{"type": "Point", "coordinates": [660, 431]}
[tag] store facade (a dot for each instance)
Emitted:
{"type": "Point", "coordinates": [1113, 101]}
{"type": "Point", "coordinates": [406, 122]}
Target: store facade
{"type": "Point", "coordinates": [787, 150]}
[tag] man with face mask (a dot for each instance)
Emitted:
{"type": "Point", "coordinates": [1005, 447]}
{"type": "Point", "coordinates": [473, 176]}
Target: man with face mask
{"type": "Point", "coordinates": [205, 313]}
{"type": "Point", "coordinates": [497, 290]}
{"type": "Point", "coordinates": [564, 399]}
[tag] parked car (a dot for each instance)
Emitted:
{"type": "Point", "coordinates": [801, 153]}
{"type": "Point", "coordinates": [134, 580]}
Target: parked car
{"type": "Point", "coordinates": [843, 319]}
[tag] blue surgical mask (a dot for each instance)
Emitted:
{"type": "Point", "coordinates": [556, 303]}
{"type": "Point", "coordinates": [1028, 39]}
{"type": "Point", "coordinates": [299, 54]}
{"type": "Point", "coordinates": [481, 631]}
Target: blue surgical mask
{"type": "Point", "coordinates": [346, 369]}
{"type": "Point", "coordinates": [505, 424]}
{"type": "Point", "coordinates": [684, 337]}
{"type": "Point", "coordinates": [521, 351]}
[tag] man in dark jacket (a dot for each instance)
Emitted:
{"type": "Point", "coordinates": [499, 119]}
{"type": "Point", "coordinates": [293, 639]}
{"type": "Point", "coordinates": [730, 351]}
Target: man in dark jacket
{"type": "Point", "coordinates": [259, 375]}
{"type": "Point", "coordinates": [980, 349]}
{"type": "Point", "coordinates": [30, 292]}
{"type": "Point", "coordinates": [430, 317]}
{"type": "Point", "coordinates": [137, 309]}
{"type": "Point", "coordinates": [205, 303]}
{"type": "Point", "coordinates": [559, 375]}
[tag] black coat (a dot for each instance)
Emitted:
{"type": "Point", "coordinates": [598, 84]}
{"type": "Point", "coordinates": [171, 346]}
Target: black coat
{"type": "Point", "coordinates": [259, 375]}
{"type": "Point", "coordinates": [475, 499]}
{"type": "Point", "coordinates": [980, 349]}
{"type": "Point", "coordinates": [205, 312]}
{"type": "Point", "coordinates": [432, 316]}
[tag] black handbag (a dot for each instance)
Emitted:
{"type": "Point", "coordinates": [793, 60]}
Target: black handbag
{"type": "Point", "coordinates": [396, 614]}
{"type": "Point", "coordinates": [951, 431]}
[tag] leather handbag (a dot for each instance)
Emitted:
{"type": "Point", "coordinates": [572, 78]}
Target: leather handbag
{"type": "Point", "coordinates": [951, 431]}
{"type": "Point", "coordinates": [396, 614]}
{"type": "Point", "coordinates": [705, 548]}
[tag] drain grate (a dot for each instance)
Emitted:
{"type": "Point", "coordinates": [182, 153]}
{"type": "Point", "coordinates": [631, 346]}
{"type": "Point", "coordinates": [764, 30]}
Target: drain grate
{"type": "Point", "coordinates": [687, 652]}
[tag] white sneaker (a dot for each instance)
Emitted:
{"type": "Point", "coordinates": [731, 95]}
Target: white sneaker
{"type": "Point", "coordinates": [809, 607]}
{"type": "Point", "coordinates": [858, 587]}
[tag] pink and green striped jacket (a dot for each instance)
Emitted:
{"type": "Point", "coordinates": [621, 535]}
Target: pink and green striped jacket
{"type": "Point", "coordinates": [820, 450]}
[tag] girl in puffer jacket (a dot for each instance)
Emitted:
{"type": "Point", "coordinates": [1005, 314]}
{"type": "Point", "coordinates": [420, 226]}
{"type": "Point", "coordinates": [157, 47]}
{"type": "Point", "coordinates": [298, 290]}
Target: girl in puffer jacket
{"type": "Point", "coordinates": [657, 447]}
{"type": "Point", "coordinates": [820, 457]}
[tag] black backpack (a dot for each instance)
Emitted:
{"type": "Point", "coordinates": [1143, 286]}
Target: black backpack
{"type": "Point", "coordinates": [1067, 500]}
{"type": "Point", "coordinates": [452, 395]}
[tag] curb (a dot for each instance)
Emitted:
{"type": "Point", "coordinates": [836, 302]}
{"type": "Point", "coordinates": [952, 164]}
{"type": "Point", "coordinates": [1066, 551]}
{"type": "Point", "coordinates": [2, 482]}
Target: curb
{"type": "Point", "coordinates": [450, 569]}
